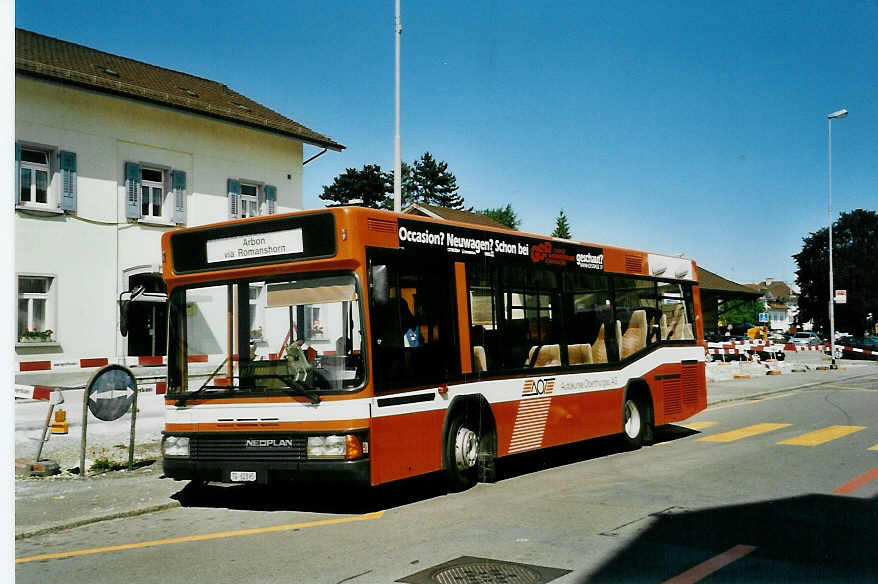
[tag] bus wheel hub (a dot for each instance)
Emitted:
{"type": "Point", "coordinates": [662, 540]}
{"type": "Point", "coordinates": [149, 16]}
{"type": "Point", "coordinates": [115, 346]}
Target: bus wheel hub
{"type": "Point", "coordinates": [466, 448]}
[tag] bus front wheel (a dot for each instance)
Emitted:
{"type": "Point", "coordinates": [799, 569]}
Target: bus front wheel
{"type": "Point", "coordinates": [461, 454]}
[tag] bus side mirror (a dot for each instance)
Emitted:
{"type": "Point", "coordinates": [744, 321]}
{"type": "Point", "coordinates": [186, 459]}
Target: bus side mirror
{"type": "Point", "coordinates": [123, 317]}
{"type": "Point", "coordinates": [379, 288]}
{"type": "Point", "coordinates": [123, 309]}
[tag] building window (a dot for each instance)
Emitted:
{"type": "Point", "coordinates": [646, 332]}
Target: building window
{"type": "Point", "coordinates": [34, 178]}
{"type": "Point", "coordinates": [251, 205]}
{"type": "Point", "coordinates": [251, 199]}
{"type": "Point", "coordinates": [152, 192]}
{"type": "Point", "coordinates": [35, 316]}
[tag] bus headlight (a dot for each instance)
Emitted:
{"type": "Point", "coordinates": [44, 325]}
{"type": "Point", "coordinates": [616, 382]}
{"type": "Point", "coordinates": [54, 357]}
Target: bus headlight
{"type": "Point", "coordinates": [175, 446]}
{"type": "Point", "coordinates": [334, 447]}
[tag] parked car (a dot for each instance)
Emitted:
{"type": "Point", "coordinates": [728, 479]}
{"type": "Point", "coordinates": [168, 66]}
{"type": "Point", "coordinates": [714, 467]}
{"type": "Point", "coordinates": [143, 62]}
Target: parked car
{"type": "Point", "coordinates": [778, 338]}
{"type": "Point", "coordinates": [865, 343]}
{"type": "Point", "coordinates": [806, 339]}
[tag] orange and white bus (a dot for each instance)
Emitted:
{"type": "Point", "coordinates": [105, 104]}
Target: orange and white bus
{"type": "Point", "coordinates": [356, 344]}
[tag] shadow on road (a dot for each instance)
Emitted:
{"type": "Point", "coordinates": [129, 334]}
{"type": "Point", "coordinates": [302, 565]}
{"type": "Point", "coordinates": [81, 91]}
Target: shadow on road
{"type": "Point", "coordinates": [353, 499]}
{"type": "Point", "coordinates": [812, 538]}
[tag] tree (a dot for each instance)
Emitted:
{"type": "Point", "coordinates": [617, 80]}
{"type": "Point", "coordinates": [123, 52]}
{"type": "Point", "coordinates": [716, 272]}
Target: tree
{"type": "Point", "coordinates": [408, 190]}
{"type": "Point", "coordinates": [504, 215]}
{"type": "Point", "coordinates": [562, 226]}
{"type": "Point", "coordinates": [432, 183]}
{"type": "Point", "coordinates": [744, 311]}
{"type": "Point", "coordinates": [371, 185]}
{"type": "Point", "coordinates": [855, 269]}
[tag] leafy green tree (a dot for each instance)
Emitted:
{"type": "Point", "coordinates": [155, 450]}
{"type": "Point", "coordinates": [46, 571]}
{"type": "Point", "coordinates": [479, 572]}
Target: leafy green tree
{"type": "Point", "coordinates": [505, 215]}
{"type": "Point", "coordinates": [747, 311]}
{"type": "Point", "coordinates": [371, 185]}
{"type": "Point", "coordinates": [855, 267]}
{"type": "Point", "coordinates": [562, 226]}
{"type": "Point", "coordinates": [432, 183]}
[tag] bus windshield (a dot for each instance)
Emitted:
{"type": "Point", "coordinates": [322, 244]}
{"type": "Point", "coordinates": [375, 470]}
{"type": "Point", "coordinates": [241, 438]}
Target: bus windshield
{"type": "Point", "coordinates": [300, 336]}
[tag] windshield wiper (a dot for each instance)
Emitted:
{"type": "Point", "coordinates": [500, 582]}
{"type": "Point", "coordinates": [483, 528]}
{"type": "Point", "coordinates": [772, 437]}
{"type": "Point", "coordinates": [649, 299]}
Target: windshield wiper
{"type": "Point", "coordinates": [181, 401]}
{"type": "Point", "coordinates": [298, 387]}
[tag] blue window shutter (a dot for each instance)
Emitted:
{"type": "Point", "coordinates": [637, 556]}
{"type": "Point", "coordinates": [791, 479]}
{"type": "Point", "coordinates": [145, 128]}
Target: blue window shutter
{"type": "Point", "coordinates": [68, 181]}
{"type": "Point", "coordinates": [234, 198]}
{"type": "Point", "coordinates": [178, 184]}
{"type": "Point", "coordinates": [17, 172]}
{"type": "Point", "coordinates": [132, 190]}
{"type": "Point", "coordinates": [271, 199]}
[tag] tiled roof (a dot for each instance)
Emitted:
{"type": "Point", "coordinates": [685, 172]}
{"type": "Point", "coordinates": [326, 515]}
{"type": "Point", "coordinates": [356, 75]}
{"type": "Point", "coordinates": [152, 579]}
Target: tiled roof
{"type": "Point", "coordinates": [61, 61]}
{"type": "Point", "coordinates": [452, 215]}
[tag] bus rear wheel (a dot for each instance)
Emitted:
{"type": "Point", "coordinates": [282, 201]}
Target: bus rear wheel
{"type": "Point", "coordinates": [461, 454]}
{"type": "Point", "coordinates": [634, 423]}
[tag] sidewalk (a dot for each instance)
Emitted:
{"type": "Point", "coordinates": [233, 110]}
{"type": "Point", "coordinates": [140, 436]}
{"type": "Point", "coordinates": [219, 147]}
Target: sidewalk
{"type": "Point", "coordinates": [44, 505]}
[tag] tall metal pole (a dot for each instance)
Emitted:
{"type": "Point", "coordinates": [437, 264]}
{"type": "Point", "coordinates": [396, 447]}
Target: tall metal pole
{"type": "Point", "coordinates": [839, 114]}
{"type": "Point", "coordinates": [831, 284]}
{"type": "Point", "coordinates": [397, 148]}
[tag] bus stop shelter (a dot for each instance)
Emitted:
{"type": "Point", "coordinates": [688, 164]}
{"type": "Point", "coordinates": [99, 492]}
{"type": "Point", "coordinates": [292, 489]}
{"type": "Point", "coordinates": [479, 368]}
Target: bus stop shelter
{"type": "Point", "coordinates": [719, 295]}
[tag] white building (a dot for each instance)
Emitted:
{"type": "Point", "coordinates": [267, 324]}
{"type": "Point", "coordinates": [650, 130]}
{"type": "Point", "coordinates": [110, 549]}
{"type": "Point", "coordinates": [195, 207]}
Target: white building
{"type": "Point", "coordinates": [111, 153]}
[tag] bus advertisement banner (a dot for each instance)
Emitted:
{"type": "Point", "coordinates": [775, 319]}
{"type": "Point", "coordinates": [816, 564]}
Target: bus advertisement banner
{"type": "Point", "coordinates": [472, 242]}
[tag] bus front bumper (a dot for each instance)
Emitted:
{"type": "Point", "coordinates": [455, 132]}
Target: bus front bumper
{"type": "Point", "coordinates": [311, 471]}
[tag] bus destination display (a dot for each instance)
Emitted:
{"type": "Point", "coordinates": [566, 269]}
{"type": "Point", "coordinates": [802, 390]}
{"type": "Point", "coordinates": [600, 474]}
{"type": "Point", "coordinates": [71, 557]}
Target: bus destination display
{"type": "Point", "coordinates": [283, 239]}
{"type": "Point", "coordinates": [258, 245]}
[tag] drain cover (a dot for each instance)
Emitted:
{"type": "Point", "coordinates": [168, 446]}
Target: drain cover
{"type": "Point", "coordinates": [469, 570]}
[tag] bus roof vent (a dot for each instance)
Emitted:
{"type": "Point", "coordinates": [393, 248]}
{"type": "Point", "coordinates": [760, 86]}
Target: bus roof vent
{"type": "Point", "coordinates": [381, 225]}
{"type": "Point", "coordinates": [634, 264]}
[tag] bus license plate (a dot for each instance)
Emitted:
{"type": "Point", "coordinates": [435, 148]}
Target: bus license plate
{"type": "Point", "coordinates": [241, 476]}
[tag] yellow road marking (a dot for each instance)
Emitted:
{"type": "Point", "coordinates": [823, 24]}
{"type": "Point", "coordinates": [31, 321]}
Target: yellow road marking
{"type": "Point", "coordinates": [824, 435]}
{"type": "Point", "coordinates": [743, 433]}
{"type": "Point", "coordinates": [697, 426]}
{"type": "Point", "coordinates": [203, 537]}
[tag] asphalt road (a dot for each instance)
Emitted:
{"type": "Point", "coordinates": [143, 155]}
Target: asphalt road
{"type": "Point", "coordinates": [779, 489]}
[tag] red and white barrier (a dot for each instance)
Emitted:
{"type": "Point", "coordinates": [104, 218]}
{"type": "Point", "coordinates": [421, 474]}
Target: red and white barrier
{"type": "Point", "coordinates": [856, 350]}
{"type": "Point", "coordinates": [142, 361]}
{"type": "Point", "coordinates": [44, 393]}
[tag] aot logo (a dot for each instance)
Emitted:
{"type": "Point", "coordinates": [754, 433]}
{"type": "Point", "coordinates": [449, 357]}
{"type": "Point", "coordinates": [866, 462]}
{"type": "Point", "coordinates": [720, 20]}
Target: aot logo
{"type": "Point", "coordinates": [540, 252]}
{"type": "Point", "coordinates": [541, 386]}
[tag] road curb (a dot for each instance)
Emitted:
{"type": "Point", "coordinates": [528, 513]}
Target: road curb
{"type": "Point", "coordinates": [98, 519]}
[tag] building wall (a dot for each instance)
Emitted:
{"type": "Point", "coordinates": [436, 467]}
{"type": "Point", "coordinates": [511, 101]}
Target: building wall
{"type": "Point", "coordinates": [91, 252]}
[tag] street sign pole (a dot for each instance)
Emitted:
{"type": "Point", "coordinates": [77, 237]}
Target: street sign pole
{"type": "Point", "coordinates": [133, 425]}
{"type": "Point", "coordinates": [84, 432]}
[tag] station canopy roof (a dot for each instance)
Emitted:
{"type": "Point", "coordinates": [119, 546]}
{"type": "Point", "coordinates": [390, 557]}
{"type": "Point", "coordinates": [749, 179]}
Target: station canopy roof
{"type": "Point", "coordinates": [716, 284]}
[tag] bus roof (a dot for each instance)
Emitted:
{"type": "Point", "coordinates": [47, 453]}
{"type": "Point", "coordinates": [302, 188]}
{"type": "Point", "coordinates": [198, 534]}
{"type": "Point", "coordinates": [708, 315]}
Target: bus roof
{"type": "Point", "coordinates": [340, 233]}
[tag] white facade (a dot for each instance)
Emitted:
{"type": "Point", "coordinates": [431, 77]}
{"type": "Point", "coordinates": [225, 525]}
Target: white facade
{"type": "Point", "coordinates": [72, 266]}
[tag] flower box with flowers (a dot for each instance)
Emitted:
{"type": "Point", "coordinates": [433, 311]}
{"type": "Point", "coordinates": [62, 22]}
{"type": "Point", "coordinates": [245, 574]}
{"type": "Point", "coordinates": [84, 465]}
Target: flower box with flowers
{"type": "Point", "coordinates": [35, 336]}
{"type": "Point", "coordinates": [316, 331]}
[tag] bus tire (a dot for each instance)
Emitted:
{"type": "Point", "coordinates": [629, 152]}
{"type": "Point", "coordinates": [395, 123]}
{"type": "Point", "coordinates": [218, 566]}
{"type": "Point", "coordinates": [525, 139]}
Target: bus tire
{"type": "Point", "coordinates": [461, 453]}
{"type": "Point", "coordinates": [635, 420]}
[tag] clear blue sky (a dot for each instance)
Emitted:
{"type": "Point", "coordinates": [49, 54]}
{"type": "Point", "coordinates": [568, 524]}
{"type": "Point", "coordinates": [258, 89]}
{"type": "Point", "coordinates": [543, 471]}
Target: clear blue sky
{"type": "Point", "coordinates": [694, 127]}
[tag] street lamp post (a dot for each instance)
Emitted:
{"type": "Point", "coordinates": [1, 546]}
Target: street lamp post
{"type": "Point", "coordinates": [834, 115]}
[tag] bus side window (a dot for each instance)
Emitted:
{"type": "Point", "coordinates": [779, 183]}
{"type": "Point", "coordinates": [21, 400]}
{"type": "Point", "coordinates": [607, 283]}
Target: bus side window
{"type": "Point", "coordinates": [591, 317]}
{"type": "Point", "coordinates": [636, 314]}
{"type": "Point", "coordinates": [483, 316]}
{"type": "Point", "coordinates": [676, 307]}
{"type": "Point", "coordinates": [531, 301]}
{"type": "Point", "coordinates": [412, 341]}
